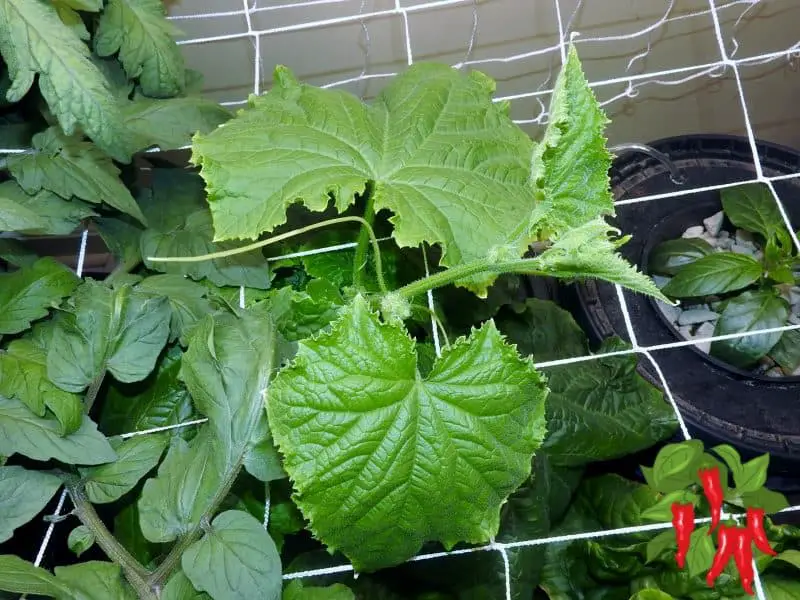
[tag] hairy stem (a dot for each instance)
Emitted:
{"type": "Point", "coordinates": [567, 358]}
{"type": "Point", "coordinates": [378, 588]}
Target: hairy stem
{"type": "Point", "coordinates": [173, 559]}
{"type": "Point", "coordinates": [93, 390]}
{"type": "Point", "coordinates": [134, 572]}
{"type": "Point", "coordinates": [360, 260]}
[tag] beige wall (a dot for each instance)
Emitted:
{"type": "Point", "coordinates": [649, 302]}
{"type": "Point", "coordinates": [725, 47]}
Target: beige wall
{"type": "Point", "coordinates": [706, 104]}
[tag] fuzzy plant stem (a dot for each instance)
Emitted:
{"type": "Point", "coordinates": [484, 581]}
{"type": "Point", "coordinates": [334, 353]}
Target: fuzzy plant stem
{"type": "Point", "coordinates": [134, 572]}
{"type": "Point", "coordinates": [360, 260]}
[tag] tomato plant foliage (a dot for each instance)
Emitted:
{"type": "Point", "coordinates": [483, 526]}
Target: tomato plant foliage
{"type": "Point", "coordinates": [320, 393]}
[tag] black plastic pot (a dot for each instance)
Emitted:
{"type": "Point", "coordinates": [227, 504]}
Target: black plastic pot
{"type": "Point", "coordinates": [719, 403]}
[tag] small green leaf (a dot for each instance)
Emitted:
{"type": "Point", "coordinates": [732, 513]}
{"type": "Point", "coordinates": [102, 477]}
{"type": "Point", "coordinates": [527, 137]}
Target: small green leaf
{"type": "Point", "coordinates": [731, 457]}
{"type": "Point", "coordinates": [669, 257]}
{"type": "Point", "coordinates": [299, 315]}
{"type": "Point", "coordinates": [714, 274]}
{"type": "Point", "coordinates": [426, 436]}
{"type": "Point", "coordinates": [187, 299]}
{"type": "Point", "coordinates": [69, 167]}
{"type": "Point", "coordinates": [27, 294]}
{"type": "Point", "coordinates": [750, 311]}
{"type": "Point", "coordinates": [23, 494]}
{"type": "Point", "coordinates": [662, 511]}
{"type": "Point", "coordinates": [262, 460]}
{"type": "Point", "coordinates": [588, 251]}
{"type": "Point", "coordinates": [136, 457]}
{"type": "Point", "coordinates": [752, 207]}
{"type": "Point", "coordinates": [170, 123]}
{"type": "Point", "coordinates": [235, 560]}
{"type": "Point", "coordinates": [768, 500]}
{"type": "Point", "coordinates": [180, 588]}
{"type": "Point", "coordinates": [173, 502]}
{"type": "Point", "coordinates": [143, 38]}
{"type": "Point", "coordinates": [787, 351]}
{"type": "Point", "coordinates": [72, 19]}
{"type": "Point", "coordinates": [94, 580]}
{"type": "Point", "coordinates": [80, 540]}
{"type": "Point", "coordinates": [121, 331]}
{"type": "Point", "coordinates": [129, 534]}
{"type": "Point", "coordinates": [23, 432]}
{"type": "Point", "coordinates": [297, 591]}
{"type": "Point", "coordinates": [753, 475]}
{"type": "Point", "coordinates": [21, 577]}
{"type": "Point", "coordinates": [676, 464]}
{"type": "Point", "coordinates": [659, 545]}
{"type": "Point", "coordinates": [33, 40]}
{"type": "Point", "coordinates": [180, 225]}
{"type": "Point", "coordinates": [23, 375]}
{"type": "Point", "coordinates": [701, 552]}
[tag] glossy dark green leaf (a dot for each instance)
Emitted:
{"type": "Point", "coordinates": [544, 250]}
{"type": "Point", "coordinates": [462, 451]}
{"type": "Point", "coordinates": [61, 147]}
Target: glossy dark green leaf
{"type": "Point", "coordinates": [787, 351]}
{"type": "Point", "coordinates": [160, 401]}
{"type": "Point", "coordinates": [136, 457]}
{"type": "Point", "coordinates": [617, 502]}
{"type": "Point", "coordinates": [671, 256]}
{"type": "Point", "coordinates": [235, 560]}
{"type": "Point", "coordinates": [750, 311]}
{"type": "Point", "coordinates": [23, 495]}
{"type": "Point", "coordinates": [752, 207]}
{"type": "Point", "coordinates": [80, 540]}
{"type": "Point", "coordinates": [714, 274]}
{"type": "Point", "coordinates": [28, 294]}
{"type": "Point", "coordinates": [611, 407]}
{"type": "Point", "coordinates": [121, 331]}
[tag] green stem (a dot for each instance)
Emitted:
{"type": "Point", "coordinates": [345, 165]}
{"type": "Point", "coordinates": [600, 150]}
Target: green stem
{"type": "Point", "coordinates": [134, 572]}
{"type": "Point", "coordinates": [173, 559]}
{"type": "Point", "coordinates": [360, 260]}
{"type": "Point", "coordinates": [93, 390]}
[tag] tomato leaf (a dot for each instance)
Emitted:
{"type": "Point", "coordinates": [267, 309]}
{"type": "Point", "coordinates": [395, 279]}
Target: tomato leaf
{"type": "Point", "coordinates": [69, 167]}
{"type": "Point", "coordinates": [714, 274]}
{"type": "Point", "coordinates": [121, 331]}
{"type": "Point", "coordinates": [427, 438]}
{"type": "Point", "coordinates": [236, 560]}
{"type": "Point", "coordinates": [27, 294]}
{"type": "Point", "coordinates": [180, 588]}
{"type": "Point", "coordinates": [136, 457]}
{"type": "Point", "coordinates": [80, 540]}
{"type": "Point", "coordinates": [669, 257]}
{"type": "Point", "coordinates": [93, 580]}
{"type": "Point", "coordinates": [41, 213]}
{"type": "Point", "coordinates": [181, 226]}
{"type": "Point", "coordinates": [297, 591]}
{"type": "Point", "coordinates": [749, 311]}
{"type": "Point", "coordinates": [21, 431]}
{"type": "Point", "coordinates": [187, 298]}
{"type": "Point", "coordinates": [21, 577]}
{"type": "Point", "coordinates": [752, 207]}
{"type": "Point", "coordinates": [23, 494]}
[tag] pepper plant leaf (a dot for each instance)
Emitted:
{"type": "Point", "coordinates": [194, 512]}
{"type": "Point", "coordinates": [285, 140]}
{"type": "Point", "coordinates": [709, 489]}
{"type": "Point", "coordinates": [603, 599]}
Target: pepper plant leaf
{"type": "Point", "coordinates": [752, 207]}
{"type": "Point", "coordinates": [23, 494]}
{"type": "Point", "coordinates": [71, 167]}
{"type": "Point", "coordinates": [21, 431]}
{"type": "Point", "coordinates": [181, 226]}
{"type": "Point", "coordinates": [23, 375]}
{"type": "Point", "coordinates": [27, 294]}
{"type": "Point", "coordinates": [380, 456]}
{"type": "Point", "coordinates": [670, 256]}
{"type": "Point", "coordinates": [447, 161]}
{"type": "Point", "coordinates": [121, 331]}
{"type": "Point", "coordinates": [236, 560]}
{"type": "Point", "coordinates": [749, 311]}
{"type": "Point", "coordinates": [144, 39]}
{"type": "Point", "coordinates": [714, 274]}
{"type": "Point", "coordinates": [34, 41]}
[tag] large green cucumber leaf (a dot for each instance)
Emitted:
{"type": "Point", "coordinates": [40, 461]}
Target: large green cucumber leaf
{"type": "Point", "coordinates": [383, 459]}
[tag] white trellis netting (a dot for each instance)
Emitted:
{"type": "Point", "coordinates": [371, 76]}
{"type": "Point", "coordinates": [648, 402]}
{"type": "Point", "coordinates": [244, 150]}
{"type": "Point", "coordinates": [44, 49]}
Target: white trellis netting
{"type": "Point", "coordinates": [722, 20]}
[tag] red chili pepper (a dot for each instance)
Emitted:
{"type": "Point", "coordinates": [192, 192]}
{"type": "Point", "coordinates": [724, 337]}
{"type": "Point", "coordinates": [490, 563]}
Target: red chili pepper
{"type": "Point", "coordinates": [755, 525]}
{"type": "Point", "coordinates": [725, 550]}
{"type": "Point", "coordinates": [743, 555]}
{"type": "Point", "coordinates": [683, 523]}
{"type": "Point", "coordinates": [712, 487]}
